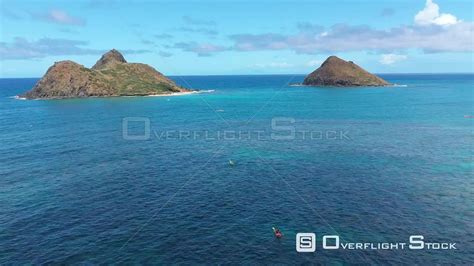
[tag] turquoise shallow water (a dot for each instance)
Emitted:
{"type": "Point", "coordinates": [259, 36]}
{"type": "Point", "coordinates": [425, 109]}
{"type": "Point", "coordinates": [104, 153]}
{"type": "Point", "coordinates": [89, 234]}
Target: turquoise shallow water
{"type": "Point", "coordinates": [383, 164]}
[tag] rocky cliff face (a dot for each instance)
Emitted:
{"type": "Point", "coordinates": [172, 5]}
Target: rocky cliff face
{"type": "Point", "coordinates": [110, 76]}
{"type": "Point", "coordinates": [109, 59]}
{"type": "Point", "coordinates": [337, 72]}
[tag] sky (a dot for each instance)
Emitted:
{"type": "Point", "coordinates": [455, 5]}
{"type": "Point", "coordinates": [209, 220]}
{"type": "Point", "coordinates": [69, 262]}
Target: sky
{"type": "Point", "coordinates": [239, 37]}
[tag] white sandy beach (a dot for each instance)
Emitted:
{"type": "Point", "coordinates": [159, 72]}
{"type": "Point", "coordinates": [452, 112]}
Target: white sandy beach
{"type": "Point", "coordinates": [153, 95]}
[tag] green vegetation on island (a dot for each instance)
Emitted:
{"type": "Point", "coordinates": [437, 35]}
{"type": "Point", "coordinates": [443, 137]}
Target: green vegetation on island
{"type": "Point", "coordinates": [110, 76]}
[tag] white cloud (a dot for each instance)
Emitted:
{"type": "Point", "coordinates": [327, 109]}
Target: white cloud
{"type": "Point", "coordinates": [284, 65]}
{"type": "Point", "coordinates": [430, 15]}
{"type": "Point", "coordinates": [21, 48]}
{"type": "Point", "coordinates": [274, 65]}
{"type": "Point", "coordinates": [59, 17]}
{"type": "Point", "coordinates": [197, 21]}
{"type": "Point", "coordinates": [345, 38]}
{"type": "Point", "coordinates": [432, 32]}
{"type": "Point", "coordinates": [388, 59]}
{"type": "Point", "coordinates": [314, 63]}
{"type": "Point", "coordinates": [201, 49]}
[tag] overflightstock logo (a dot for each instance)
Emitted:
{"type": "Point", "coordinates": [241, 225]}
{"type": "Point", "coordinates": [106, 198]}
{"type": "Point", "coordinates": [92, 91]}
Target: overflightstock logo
{"type": "Point", "coordinates": [306, 242]}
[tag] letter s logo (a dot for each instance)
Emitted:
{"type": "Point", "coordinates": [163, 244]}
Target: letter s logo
{"type": "Point", "coordinates": [288, 132]}
{"type": "Point", "coordinates": [416, 242]}
{"type": "Point", "coordinates": [305, 242]}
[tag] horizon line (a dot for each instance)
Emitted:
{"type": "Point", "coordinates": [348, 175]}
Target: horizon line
{"type": "Point", "coordinates": [286, 74]}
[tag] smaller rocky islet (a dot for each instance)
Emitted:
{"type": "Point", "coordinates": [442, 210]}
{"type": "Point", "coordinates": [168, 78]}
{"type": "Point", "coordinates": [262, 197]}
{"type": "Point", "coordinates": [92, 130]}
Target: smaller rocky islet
{"type": "Point", "coordinates": [337, 72]}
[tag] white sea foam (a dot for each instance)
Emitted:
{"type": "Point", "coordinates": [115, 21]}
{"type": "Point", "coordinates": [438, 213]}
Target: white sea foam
{"type": "Point", "coordinates": [297, 85]}
{"type": "Point", "coordinates": [181, 93]}
{"type": "Point", "coordinates": [18, 97]}
{"type": "Point", "coordinates": [399, 85]}
{"type": "Point", "coordinates": [158, 95]}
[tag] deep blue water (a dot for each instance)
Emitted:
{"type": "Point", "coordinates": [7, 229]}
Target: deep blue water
{"type": "Point", "coordinates": [382, 164]}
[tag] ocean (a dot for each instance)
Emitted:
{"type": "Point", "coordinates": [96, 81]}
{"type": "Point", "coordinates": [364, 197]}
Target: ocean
{"type": "Point", "coordinates": [147, 180]}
